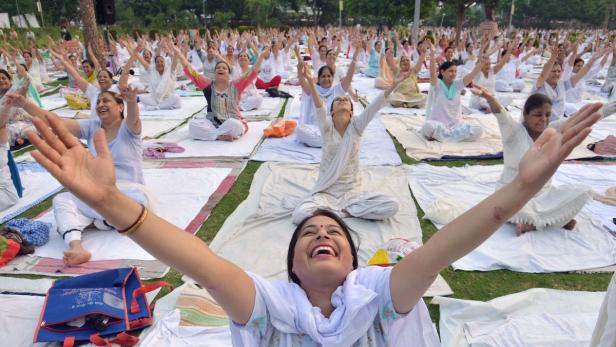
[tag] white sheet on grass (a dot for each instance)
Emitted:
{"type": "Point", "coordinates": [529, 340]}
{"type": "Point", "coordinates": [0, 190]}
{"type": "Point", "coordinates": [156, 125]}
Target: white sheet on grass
{"type": "Point", "coordinates": [190, 106]}
{"type": "Point", "coordinates": [38, 185]}
{"type": "Point", "coordinates": [180, 194]}
{"type": "Point", "coordinates": [241, 148]}
{"type": "Point", "coordinates": [376, 148]}
{"type": "Point", "coordinates": [269, 108]}
{"type": "Point", "coordinates": [256, 235]}
{"type": "Point", "coordinates": [151, 128]}
{"type": "Point", "coordinates": [536, 317]}
{"type": "Point", "coordinates": [52, 102]}
{"type": "Point", "coordinates": [406, 130]}
{"type": "Point", "coordinates": [588, 246]}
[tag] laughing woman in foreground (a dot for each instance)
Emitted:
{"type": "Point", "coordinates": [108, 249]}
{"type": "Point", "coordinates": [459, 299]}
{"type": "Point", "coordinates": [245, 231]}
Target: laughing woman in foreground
{"type": "Point", "coordinates": [330, 301]}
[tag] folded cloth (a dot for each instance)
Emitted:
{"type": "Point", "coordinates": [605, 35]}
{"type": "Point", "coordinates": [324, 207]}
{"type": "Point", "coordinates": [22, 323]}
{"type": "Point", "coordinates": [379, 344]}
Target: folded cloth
{"type": "Point", "coordinates": [282, 128]}
{"type": "Point", "coordinates": [8, 250]}
{"type": "Point", "coordinates": [157, 150]}
{"type": "Point", "coordinates": [15, 236]}
{"type": "Point", "coordinates": [35, 232]}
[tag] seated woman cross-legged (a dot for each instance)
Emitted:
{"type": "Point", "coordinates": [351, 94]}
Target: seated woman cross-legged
{"type": "Point", "coordinates": [329, 299]}
{"type": "Point", "coordinates": [407, 93]}
{"type": "Point", "coordinates": [552, 206]}
{"type": "Point", "coordinates": [124, 142]}
{"type": "Point", "coordinates": [338, 187]}
{"type": "Point", "coordinates": [443, 112]}
{"type": "Point", "coordinates": [308, 131]}
{"type": "Point", "coordinates": [223, 120]}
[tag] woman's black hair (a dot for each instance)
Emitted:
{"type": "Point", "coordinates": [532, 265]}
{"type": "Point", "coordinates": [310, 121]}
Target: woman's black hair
{"type": "Point", "coordinates": [324, 46]}
{"type": "Point", "coordinates": [443, 67]}
{"type": "Point", "coordinates": [326, 213]}
{"type": "Point", "coordinates": [535, 101]}
{"type": "Point", "coordinates": [24, 66]}
{"type": "Point", "coordinates": [6, 73]}
{"type": "Point", "coordinates": [323, 68]}
{"type": "Point", "coordinates": [87, 61]}
{"type": "Point", "coordinates": [578, 60]}
{"type": "Point", "coordinates": [220, 62]}
{"type": "Point", "coordinates": [106, 71]}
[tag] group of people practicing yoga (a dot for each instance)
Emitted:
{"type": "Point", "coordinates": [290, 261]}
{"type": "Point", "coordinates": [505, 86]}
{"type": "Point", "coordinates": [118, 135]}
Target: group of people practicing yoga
{"type": "Point", "coordinates": [105, 183]}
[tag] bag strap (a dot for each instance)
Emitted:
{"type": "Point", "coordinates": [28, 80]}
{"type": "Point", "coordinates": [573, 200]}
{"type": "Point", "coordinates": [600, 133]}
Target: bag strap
{"type": "Point", "coordinates": [134, 306]}
{"type": "Point", "coordinates": [123, 339]}
{"type": "Point", "coordinates": [69, 341]}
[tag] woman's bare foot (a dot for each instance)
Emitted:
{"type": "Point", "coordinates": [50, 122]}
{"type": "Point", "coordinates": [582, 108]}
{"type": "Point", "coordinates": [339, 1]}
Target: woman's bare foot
{"type": "Point", "coordinates": [225, 138]}
{"type": "Point", "coordinates": [570, 225]}
{"type": "Point", "coordinates": [76, 255]}
{"type": "Point", "coordinates": [521, 228]}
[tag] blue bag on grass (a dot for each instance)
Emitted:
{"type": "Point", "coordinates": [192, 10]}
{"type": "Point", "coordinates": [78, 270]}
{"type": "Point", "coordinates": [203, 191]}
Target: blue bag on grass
{"type": "Point", "coordinates": [95, 307]}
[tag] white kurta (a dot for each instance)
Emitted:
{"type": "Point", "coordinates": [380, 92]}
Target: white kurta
{"type": "Point", "coordinates": [552, 206]}
{"type": "Point", "coordinates": [338, 187]}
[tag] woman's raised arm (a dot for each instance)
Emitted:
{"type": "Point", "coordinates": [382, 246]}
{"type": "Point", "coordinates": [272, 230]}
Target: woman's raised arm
{"type": "Point", "coordinates": [92, 179]}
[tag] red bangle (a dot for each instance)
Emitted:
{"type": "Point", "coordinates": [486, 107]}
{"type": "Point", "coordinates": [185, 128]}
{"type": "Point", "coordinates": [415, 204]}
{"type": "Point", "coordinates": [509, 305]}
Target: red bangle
{"type": "Point", "coordinates": [139, 218]}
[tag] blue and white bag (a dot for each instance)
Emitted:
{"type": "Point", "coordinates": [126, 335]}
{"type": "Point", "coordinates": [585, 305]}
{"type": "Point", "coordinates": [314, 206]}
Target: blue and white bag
{"type": "Point", "coordinates": [96, 307]}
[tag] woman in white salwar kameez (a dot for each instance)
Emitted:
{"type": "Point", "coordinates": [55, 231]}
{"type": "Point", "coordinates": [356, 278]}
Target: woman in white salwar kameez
{"type": "Point", "coordinates": [338, 187]}
{"type": "Point", "coordinates": [553, 206]}
{"type": "Point", "coordinates": [161, 80]}
{"type": "Point", "coordinates": [487, 79]}
{"type": "Point", "coordinates": [307, 131]}
{"type": "Point", "coordinates": [331, 301]}
{"type": "Point", "coordinates": [250, 98]}
{"type": "Point", "coordinates": [550, 84]}
{"type": "Point", "coordinates": [444, 109]}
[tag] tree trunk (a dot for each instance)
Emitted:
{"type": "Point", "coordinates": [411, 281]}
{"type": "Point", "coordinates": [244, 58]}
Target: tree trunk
{"type": "Point", "coordinates": [90, 31]}
{"type": "Point", "coordinates": [461, 8]}
{"type": "Point", "coordinates": [607, 10]}
{"type": "Point", "coordinates": [489, 7]}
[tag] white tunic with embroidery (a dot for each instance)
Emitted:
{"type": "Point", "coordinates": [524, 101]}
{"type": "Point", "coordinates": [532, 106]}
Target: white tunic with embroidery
{"type": "Point", "coordinates": [552, 206]}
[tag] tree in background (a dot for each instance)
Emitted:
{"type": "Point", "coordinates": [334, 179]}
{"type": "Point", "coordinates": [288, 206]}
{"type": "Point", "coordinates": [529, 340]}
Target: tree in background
{"type": "Point", "coordinates": [90, 31]}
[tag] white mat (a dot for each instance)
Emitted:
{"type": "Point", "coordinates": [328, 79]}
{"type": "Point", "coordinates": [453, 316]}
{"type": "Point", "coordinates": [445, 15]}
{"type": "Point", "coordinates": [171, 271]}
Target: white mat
{"type": "Point", "coordinates": [269, 108]}
{"type": "Point", "coordinates": [376, 148]}
{"type": "Point", "coordinates": [535, 317]}
{"type": "Point", "coordinates": [241, 148]}
{"type": "Point", "coordinates": [151, 128]}
{"type": "Point", "coordinates": [180, 194]}
{"type": "Point", "coordinates": [190, 106]}
{"type": "Point", "coordinates": [406, 130]}
{"type": "Point", "coordinates": [38, 185]}
{"type": "Point", "coordinates": [53, 102]}
{"type": "Point", "coordinates": [256, 235]}
{"type": "Point", "coordinates": [588, 246]}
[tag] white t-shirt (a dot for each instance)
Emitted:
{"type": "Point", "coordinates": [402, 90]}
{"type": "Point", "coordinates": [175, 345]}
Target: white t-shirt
{"type": "Point", "coordinates": [363, 316]}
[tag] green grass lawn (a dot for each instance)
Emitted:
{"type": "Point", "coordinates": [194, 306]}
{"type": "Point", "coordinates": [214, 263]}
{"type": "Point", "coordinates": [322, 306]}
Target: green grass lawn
{"type": "Point", "coordinates": [465, 284]}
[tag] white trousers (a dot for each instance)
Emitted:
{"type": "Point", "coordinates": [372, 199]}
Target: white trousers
{"type": "Point", "coordinates": [204, 129]}
{"type": "Point", "coordinates": [169, 103]}
{"type": "Point", "coordinates": [310, 135]}
{"type": "Point", "coordinates": [73, 215]}
{"type": "Point", "coordinates": [375, 206]}
{"type": "Point", "coordinates": [458, 133]}
{"type": "Point", "coordinates": [481, 103]}
{"type": "Point", "coordinates": [508, 87]}
{"type": "Point", "coordinates": [250, 102]}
